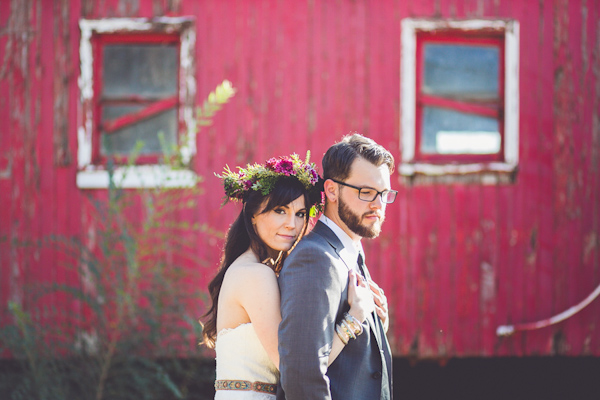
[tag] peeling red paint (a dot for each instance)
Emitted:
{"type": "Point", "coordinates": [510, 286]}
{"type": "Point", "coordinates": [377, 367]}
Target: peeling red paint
{"type": "Point", "coordinates": [62, 82]}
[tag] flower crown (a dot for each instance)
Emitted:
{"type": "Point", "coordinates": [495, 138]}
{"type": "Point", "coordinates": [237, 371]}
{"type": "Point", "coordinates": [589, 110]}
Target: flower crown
{"type": "Point", "coordinates": [262, 178]}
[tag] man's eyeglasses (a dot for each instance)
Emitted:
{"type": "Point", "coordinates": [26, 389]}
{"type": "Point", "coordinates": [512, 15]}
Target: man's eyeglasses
{"type": "Point", "coordinates": [368, 194]}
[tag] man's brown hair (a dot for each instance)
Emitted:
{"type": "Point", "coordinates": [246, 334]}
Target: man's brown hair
{"type": "Point", "coordinates": [339, 158]}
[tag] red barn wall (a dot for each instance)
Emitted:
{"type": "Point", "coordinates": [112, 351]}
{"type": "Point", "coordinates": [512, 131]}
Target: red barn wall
{"type": "Point", "coordinates": [456, 258]}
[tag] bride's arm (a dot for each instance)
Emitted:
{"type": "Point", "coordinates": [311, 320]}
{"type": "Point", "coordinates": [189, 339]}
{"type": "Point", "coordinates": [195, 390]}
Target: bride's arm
{"type": "Point", "coordinates": [361, 303]}
{"type": "Point", "coordinates": [259, 296]}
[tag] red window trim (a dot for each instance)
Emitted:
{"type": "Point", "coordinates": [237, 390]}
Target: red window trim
{"type": "Point", "coordinates": [147, 112]}
{"type": "Point", "coordinates": [154, 105]}
{"type": "Point", "coordinates": [493, 109]}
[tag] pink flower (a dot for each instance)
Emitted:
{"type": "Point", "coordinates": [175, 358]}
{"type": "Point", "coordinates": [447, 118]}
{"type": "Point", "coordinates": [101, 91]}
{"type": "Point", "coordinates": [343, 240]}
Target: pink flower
{"type": "Point", "coordinates": [285, 166]}
{"type": "Point", "coordinates": [271, 163]}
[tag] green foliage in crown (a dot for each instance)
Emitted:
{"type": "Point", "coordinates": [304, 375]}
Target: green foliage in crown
{"type": "Point", "coordinates": [263, 177]}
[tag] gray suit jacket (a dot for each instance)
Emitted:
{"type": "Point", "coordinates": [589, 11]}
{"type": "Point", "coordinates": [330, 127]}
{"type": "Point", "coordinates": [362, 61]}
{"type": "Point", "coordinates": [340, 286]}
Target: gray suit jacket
{"type": "Point", "coordinates": [314, 296]}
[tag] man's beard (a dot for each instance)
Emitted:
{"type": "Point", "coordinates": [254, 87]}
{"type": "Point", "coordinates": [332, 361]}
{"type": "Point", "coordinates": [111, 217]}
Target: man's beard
{"type": "Point", "coordinates": [353, 221]}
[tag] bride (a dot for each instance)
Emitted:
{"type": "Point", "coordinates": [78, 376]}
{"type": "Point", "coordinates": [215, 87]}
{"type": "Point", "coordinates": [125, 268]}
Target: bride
{"type": "Point", "coordinates": [278, 197]}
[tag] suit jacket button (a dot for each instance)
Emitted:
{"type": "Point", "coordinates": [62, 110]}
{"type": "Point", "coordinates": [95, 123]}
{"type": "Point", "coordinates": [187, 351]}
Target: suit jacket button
{"type": "Point", "coordinates": [376, 375]}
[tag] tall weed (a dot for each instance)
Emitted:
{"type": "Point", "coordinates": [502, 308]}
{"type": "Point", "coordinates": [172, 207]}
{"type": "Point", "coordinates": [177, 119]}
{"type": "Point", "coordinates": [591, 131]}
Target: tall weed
{"type": "Point", "coordinates": [125, 329]}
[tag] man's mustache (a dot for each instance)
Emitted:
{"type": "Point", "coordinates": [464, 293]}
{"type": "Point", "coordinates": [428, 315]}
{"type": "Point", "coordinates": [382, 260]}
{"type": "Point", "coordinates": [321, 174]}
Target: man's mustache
{"type": "Point", "coordinates": [377, 214]}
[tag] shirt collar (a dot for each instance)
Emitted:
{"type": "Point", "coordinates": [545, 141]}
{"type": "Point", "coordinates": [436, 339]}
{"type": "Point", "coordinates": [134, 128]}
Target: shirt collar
{"type": "Point", "coordinates": [351, 249]}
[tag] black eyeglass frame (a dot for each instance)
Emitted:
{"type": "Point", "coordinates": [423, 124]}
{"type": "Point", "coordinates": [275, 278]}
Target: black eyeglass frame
{"type": "Point", "coordinates": [360, 189]}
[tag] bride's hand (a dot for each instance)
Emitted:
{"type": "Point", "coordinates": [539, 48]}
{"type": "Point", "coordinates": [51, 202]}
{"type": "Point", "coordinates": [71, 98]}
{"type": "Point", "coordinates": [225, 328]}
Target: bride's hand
{"type": "Point", "coordinates": [360, 297]}
{"type": "Point", "coordinates": [381, 304]}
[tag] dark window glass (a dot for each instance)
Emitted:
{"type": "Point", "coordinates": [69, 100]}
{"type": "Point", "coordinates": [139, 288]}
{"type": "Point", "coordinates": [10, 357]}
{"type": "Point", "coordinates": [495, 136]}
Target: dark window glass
{"type": "Point", "coordinates": [461, 72]}
{"type": "Point", "coordinates": [148, 70]}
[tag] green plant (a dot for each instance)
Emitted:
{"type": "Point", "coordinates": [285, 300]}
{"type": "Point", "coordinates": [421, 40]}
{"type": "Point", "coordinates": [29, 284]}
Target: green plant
{"type": "Point", "coordinates": [129, 290]}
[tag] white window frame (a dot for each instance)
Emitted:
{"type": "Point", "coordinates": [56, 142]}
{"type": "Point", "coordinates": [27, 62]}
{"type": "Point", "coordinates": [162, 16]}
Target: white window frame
{"type": "Point", "coordinates": [409, 28]}
{"type": "Point", "coordinates": [90, 176]}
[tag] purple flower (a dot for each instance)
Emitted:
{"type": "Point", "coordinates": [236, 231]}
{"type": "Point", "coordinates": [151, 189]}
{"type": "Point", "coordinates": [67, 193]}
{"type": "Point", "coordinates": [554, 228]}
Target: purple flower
{"type": "Point", "coordinates": [285, 166]}
{"type": "Point", "coordinates": [314, 177]}
{"type": "Point", "coordinates": [247, 184]}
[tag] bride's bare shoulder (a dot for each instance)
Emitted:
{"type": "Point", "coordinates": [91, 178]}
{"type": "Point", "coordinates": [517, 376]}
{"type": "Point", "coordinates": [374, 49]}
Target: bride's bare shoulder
{"type": "Point", "coordinates": [247, 265]}
{"type": "Point", "coordinates": [247, 280]}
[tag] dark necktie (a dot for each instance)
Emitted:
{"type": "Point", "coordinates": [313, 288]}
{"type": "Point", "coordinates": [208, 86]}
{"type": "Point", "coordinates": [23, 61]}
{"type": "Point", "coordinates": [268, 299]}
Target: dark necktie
{"type": "Point", "coordinates": [361, 265]}
{"type": "Point", "coordinates": [372, 319]}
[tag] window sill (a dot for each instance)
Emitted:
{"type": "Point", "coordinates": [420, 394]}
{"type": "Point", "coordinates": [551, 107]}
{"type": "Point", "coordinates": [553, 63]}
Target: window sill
{"type": "Point", "coordinates": [146, 176]}
{"type": "Point", "coordinates": [490, 173]}
{"type": "Point", "coordinates": [444, 169]}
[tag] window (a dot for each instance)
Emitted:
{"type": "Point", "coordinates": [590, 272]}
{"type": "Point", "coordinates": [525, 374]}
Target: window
{"type": "Point", "coordinates": [459, 97]}
{"type": "Point", "coordinates": [137, 98]}
{"type": "Point", "coordinates": [137, 88]}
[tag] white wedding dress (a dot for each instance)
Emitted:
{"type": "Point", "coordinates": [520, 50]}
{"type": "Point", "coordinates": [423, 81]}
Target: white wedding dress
{"type": "Point", "coordinates": [241, 357]}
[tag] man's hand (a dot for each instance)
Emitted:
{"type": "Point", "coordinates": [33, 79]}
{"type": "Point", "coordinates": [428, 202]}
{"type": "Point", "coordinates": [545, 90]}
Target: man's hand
{"type": "Point", "coordinates": [381, 304]}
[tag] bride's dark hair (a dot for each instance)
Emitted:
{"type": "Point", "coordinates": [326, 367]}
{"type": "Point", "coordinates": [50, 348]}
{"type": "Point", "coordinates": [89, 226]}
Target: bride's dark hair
{"type": "Point", "coordinates": [242, 235]}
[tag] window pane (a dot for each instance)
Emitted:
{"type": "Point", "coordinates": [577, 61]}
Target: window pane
{"type": "Point", "coordinates": [148, 70]}
{"type": "Point", "coordinates": [123, 141]}
{"type": "Point", "coordinates": [451, 132]}
{"type": "Point", "coordinates": [461, 72]}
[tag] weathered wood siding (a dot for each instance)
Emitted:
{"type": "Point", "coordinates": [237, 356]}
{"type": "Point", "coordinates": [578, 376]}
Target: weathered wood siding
{"type": "Point", "coordinates": [457, 258]}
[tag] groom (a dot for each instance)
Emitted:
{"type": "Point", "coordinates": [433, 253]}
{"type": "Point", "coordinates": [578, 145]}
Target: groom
{"type": "Point", "coordinates": [314, 283]}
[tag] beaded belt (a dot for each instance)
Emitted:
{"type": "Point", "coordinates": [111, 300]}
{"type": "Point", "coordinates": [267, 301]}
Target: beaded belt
{"type": "Point", "coordinates": [225, 384]}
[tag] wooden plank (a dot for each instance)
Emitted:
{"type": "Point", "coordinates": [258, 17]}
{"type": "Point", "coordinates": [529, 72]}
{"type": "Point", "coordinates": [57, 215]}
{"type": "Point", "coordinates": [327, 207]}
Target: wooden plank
{"type": "Point", "coordinates": [542, 151]}
{"type": "Point", "coordinates": [416, 285]}
{"type": "Point", "coordinates": [63, 62]}
{"type": "Point", "coordinates": [467, 267]}
{"type": "Point", "coordinates": [488, 268]}
{"type": "Point", "coordinates": [529, 221]}
{"type": "Point", "coordinates": [43, 271]}
{"type": "Point", "coordinates": [564, 169]}
{"type": "Point", "coordinates": [426, 287]}
{"type": "Point", "coordinates": [446, 220]}
{"type": "Point", "coordinates": [6, 168]}
{"type": "Point", "coordinates": [505, 292]}
{"type": "Point", "coordinates": [297, 69]}
{"type": "Point", "coordinates": [580, 284]}
{"type": "Point", "coordinates": [591, 252]}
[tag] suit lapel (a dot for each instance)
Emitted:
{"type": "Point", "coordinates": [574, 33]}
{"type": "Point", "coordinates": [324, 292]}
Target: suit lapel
{"type": "Point", "coordinates": [322, 230]}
